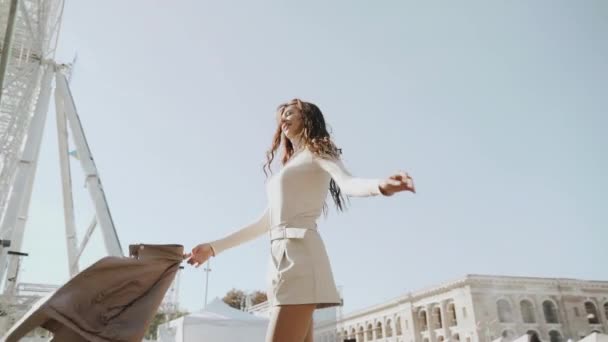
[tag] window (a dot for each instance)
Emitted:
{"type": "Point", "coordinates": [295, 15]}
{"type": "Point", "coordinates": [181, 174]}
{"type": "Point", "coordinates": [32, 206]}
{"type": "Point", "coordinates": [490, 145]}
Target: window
{"type": "Point", "coordinates": [606, 310]}
{"type": "Point", "coordinates": [398, 326]}
{"type": "Point", "coordinates": [456, 337]}
{"type": "Point", "coordinates": [505, 315]}
{"type": "Point", "coordinates": [379, 330]}
{"type": "Point", "coordinates": [360, 335]}
{"type": "Point", "coordinates": [440, 339]}
{"type": "Point", "coordinates": [508, 334]}
{"type": "Point", "coordinates": [527, 311]}
{"type": "Point", "coordinates": [437, 318]}
{"type": "Point", "coordinates": [370, 332]}
{"type": "Point", "coordinates": [592, 316]}
{"type": "Point", "coordinates": [389, 328]}
{"type": "Point", "coordinates": [550, 311]}
{"type": "Point", "coordinates": [353, 333]}
{"type": "Point", "coordinates": [423, 320]}
{"type": "Point", "coordinates": [533, 336]}
{"type": "Point", "coordinates": [555, 336]}
{"type": "Point", "coordinates": [452, 321]}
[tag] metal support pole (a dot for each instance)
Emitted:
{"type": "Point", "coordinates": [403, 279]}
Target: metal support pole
{"type": "Point", "coordinates": [85, 239]}
{"type": "Point", "coordinates": [13, 224]}
{"type": "Point", "coordinates": [104, 218]}
{"type": "Point", "coordinates": [6, 47]}
{"type": "Point", "coordinates": [66, 186]}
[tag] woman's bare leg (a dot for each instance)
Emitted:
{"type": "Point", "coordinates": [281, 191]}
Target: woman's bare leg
{"type": "Point", "coordinates": [311, 330]}
{"type": "Point", "coordinates": [290, 323]}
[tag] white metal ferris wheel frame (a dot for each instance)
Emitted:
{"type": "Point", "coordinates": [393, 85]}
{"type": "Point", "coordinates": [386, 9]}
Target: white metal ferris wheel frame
{"type": "Point", "coordinates": [27, 69]}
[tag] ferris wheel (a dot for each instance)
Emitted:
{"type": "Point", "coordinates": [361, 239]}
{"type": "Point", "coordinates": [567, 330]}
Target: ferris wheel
{"type": "Point", "coordinates": [29, 31]}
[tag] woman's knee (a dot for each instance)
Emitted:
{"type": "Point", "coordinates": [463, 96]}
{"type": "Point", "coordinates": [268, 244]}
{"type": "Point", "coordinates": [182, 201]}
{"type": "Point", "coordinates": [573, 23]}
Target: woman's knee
{"type": "Point", "coordinates": [290, 322]}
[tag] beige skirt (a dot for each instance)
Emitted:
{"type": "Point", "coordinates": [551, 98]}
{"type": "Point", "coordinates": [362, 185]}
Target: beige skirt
{"type": "Point", "coordinates": [299, 271]}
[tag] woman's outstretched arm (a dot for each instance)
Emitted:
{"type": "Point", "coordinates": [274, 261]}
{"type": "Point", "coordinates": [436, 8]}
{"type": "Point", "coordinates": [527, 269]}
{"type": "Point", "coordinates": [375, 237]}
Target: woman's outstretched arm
{"type": "Point", "coordinates": [242, 235]}
{"type": "Point", "coordinates": [350, 185]}
{"type": "Point", "coordinates": [364, 187]}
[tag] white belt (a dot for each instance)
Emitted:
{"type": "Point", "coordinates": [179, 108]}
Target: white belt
{"type": "Point", "coordinates": [280, 233]}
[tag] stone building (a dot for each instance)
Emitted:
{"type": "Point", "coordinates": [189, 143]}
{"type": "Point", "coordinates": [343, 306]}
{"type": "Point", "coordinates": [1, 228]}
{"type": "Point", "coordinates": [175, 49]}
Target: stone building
{"type": "Point", "coordinates": [480, 308]}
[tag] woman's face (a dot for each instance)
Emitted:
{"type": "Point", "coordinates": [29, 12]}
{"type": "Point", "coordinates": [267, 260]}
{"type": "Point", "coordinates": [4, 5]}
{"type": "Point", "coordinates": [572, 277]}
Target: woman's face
{"type": "Point", "coordinates": [291, 121]}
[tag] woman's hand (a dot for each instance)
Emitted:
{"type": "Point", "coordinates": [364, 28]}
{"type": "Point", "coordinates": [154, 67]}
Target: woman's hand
{"type": "Point", "coordinates": [200, 254]}
{"type": "Point", "coordinates": [400, 181]}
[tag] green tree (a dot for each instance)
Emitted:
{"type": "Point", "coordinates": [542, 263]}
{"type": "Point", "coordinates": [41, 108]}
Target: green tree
{"type": "Point", "coordinates": [258, 297]}
{"type": "Point", "coordinates": [238, 298]}
{"type": "Point", "coordinates": [235, 298]}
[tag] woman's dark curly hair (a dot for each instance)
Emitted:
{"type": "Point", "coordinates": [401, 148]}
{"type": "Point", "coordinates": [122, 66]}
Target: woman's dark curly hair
{"type": "Point", "coordinates": [315, 137]}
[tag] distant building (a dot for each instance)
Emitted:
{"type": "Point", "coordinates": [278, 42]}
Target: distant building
{"type": "Point", "coordinates": [479, 308]}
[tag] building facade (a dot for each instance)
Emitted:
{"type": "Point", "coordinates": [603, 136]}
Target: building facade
{"type": "Point", "coordinates": [480, 308]}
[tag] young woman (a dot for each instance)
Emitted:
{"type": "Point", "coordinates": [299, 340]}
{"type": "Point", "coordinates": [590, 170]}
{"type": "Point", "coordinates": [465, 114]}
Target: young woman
{"type": "Point", "coordinates": [300, 279]}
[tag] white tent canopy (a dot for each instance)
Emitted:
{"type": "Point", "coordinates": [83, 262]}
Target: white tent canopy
{"type": "Point", "coordinates": [595, 337]}
{"type": "Point", "coordinates": [218, 322]}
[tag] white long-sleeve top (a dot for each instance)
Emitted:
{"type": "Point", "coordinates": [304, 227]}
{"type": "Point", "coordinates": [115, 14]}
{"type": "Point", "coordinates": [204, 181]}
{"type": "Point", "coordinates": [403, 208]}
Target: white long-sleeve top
{"type": "Point", "coordinates": [296, 195]}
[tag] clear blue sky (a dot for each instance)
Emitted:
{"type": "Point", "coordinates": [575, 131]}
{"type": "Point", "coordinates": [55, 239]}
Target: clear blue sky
{"type": "Point", "coordinates": [497, 108]}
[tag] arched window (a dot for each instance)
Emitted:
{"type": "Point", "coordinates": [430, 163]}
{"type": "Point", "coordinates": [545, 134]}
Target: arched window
{"type": "Point", "coordinates": [440, 339]}
{"type": "Point", "coordinates": [379, 330]}
{"type": "Point", "coordinates": [555, 336]}
{"type": "Point", "coordinates": [353, 333]}
{"type": "Point", "coordinates": [389, 328]}
{"type": "Point", "coordinates": [533, 335]}
{"type": "Point", "coordinates": [437, 318]}
{"type": "Point", "coordinates": [592, 316]}
{"type": "Point", "coordinates": [361, 334]}
{"type": "Point", "coordinates": [505, 314]}
{"type": "Point", "coordinates": [508, 334]}
{"type": "Point", "coordinates": [452, 321]}
{"type": "Point", "coordinates": [424, 322]}
{"type": "Point", "coordinates": [370, 332]}
{"type": "Point", "coordinates": [456, 337]}
{"type": "Point", "coordinates": [606, 310]}
{"type": "Point", "coordinates": [527, 311]}
{"type": "Point", "coordinates": [550, 311]}
{"type": "Point", "coordinates": [398, 326]}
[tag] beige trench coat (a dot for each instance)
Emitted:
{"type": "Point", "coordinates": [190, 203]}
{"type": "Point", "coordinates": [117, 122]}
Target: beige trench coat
{"type": "Point", "coordinates": [115, 299]}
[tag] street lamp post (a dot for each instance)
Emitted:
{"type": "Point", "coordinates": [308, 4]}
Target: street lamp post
{"type": "Point", "coordinates": [207, 269]}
